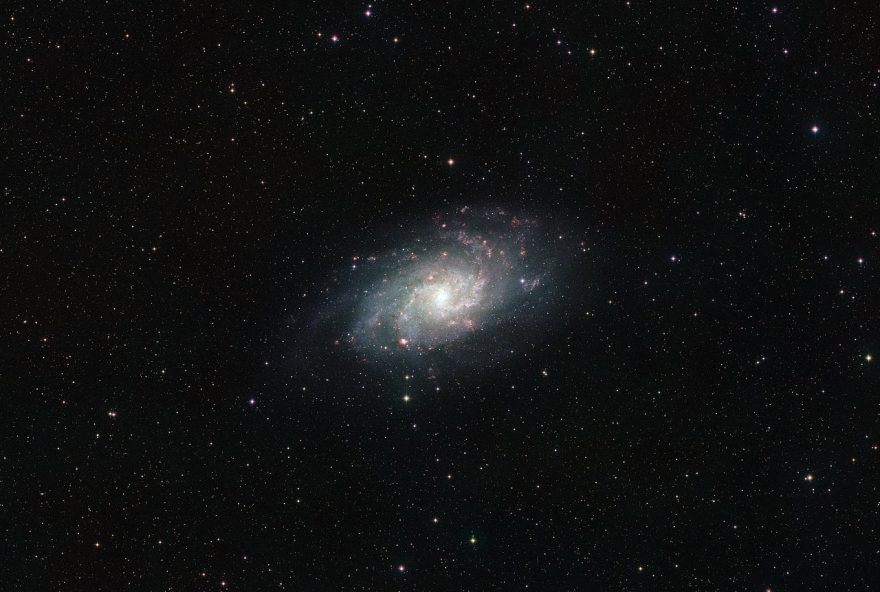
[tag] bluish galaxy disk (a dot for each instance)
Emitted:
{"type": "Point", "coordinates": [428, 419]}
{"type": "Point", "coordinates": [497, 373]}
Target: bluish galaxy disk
{"type": "Point", "coordinates": [454, 285]}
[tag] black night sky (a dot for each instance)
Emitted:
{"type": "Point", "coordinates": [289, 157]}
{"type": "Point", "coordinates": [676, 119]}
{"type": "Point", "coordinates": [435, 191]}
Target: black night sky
{"type": "Point", "coordinates": [466, 296]}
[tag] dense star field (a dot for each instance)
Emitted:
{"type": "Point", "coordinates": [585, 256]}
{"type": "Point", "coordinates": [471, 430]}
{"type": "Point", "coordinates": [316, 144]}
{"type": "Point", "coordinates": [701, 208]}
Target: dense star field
{"type": "Point", "coordinates": [326, 296]}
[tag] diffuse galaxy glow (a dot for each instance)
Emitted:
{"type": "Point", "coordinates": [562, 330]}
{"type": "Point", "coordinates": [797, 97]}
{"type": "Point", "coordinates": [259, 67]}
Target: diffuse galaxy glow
{"type": "Point", "coordinates": [465, 274]}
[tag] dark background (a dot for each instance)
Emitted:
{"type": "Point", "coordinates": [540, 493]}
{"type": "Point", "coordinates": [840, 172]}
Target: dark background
{"type": "Point", "coordinates": [709, 415]}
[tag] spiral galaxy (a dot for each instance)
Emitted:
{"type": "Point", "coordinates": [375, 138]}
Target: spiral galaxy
{"type": "Point", "coordinates": [457, 280]}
